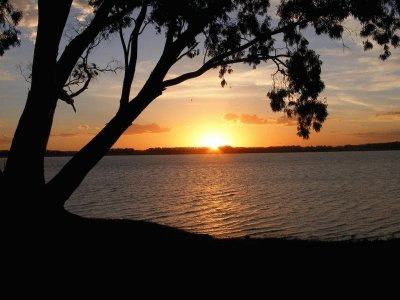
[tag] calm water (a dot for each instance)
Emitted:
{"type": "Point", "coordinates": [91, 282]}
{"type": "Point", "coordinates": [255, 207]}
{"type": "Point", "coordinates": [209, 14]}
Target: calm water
{"type": "Point", "coordinates": [327, 196]}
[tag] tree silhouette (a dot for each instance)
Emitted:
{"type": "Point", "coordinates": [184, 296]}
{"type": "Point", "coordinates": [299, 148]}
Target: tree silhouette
{"type": "Point", "coordinates": [9, 19]}
{"type": "Point", "coordinates": [223, 33]}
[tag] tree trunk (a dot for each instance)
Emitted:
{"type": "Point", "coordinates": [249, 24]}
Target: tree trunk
{"type": "Point", "coordinates": [61, 187]}
{"type": "Point", "coordinates": [24, 171]}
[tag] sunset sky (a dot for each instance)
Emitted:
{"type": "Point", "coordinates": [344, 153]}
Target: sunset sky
{"type": "Point", "coordinates": [362, 94]}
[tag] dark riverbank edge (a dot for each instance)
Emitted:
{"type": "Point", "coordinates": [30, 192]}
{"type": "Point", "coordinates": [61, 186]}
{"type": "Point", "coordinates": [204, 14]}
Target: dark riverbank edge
{"type": "Point", "coordinates": [107, 248]}
{"type": "Point", "coordinates": [73, 230]}
{"type": "Point", "coordinates": [233, 150]}
{"type": "Point", "coordinates": [98, 252]}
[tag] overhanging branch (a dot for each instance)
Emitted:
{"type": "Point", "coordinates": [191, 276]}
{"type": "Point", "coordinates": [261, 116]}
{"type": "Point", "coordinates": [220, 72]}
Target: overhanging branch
{"type": "Point", "coordinates": [131, 54]}
{"type": "Point", "coordinates": [206, 67]}
{"type": "Point", "coordinates": [77, 46]}
{"type": "Point", "coordinates": [222, 59]}
{"type": "Point", "coordinates": [187, 52]}
{"type": "Point", "coordinates": [211, 65]}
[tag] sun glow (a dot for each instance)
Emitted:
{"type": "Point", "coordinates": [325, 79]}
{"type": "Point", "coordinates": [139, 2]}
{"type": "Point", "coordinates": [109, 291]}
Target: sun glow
{"type": "Point", "coordinates": [212, 141]}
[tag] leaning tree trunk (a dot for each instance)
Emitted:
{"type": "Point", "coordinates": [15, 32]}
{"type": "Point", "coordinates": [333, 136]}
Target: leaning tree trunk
{"type": "Point", "coordinates": [61, 187]}
{"type": "Point", "coordinates": [24, 171]}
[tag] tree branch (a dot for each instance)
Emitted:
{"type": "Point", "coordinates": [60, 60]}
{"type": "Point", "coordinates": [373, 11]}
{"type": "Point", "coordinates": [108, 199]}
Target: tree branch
{"type": "Point", "coordinates": [170, 36]}
{"type": "Point", "coordinates": [63, 95]}
{"type": "Point", "coordinates": [117, 16]}
{"type": "Point", "coordinates": [23, 73]}
{"type": "Point", "coordinates": [77, 46]}
{"type": "Point", "coordinates": [86, 84]}
{"type": "Point", "coordinates": [130, 62]}
{"type": "Point", "coordinates": [124, 48]}
{"type": "Point", "coordinates": [83, 74]}
{"type": "Point", "coordinates": [221, 59]}
{"type": "Point", "coordinates": [1, 179]}
{"type": "Point", "coordinates": [211, 65]}
{"type": "Point", "coordinates": [172, 50]}
{"type": "Point", "coordinates": [144, 27]}
{"type": "Point", "coordinates": [190, 75]}
{"type": "Point", "coordinates": [187, 52]}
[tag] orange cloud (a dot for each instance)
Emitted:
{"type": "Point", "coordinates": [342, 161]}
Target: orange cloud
{"type": "Point", "coordinates": [252, 119]}
{"type": "Point", "coordinates": [6, 76]}
{"type": "Point", "coordinates": [231, 117]}
{"type": "Point", "coordinates": [285, 120]}
{"type": "Point", "coordinates": [4, 139]}
{"type": "Point", "coordinates": [256, 120]}
{"type": "Point", "coordinates": [388, 114]}
{"type": "Point", "coordinates": [133, 129]}
{"type": "Point", "coordinates": [146, 128]}
{"type": "Point", "coordinates": [379, 135]}
{"type": "Point", "coordinates": [30, 16]}
{"type": "Point", "coordinates": [245, 119]}
{"type": "Point", "coordinates": [84, 127]}
{"type": "Point", "coordinates": [66, 135]}
{"type": "Point", "coordinates": [84, 9]}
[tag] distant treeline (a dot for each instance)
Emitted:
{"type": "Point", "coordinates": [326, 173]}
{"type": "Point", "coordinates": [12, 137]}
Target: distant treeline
{"type": "Point", "coordinates": [229, 150]}
{"type": "Point", "coordinates": [283, 149]}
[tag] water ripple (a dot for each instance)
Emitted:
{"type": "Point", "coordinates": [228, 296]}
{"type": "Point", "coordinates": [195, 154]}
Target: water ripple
{"type": "Point", "coordinates": [326, 196]}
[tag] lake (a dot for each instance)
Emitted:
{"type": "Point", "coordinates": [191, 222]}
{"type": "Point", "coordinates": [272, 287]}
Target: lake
{"type": "Point", "coordinates": [324, 196]}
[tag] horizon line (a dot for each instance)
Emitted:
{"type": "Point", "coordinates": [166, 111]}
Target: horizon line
{"type": "Point", "coordinates": [230, 147]}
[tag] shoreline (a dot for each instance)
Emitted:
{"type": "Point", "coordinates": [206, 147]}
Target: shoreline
{"type": "Point", "coordinates": [392, 146]}
{"type": "Point", "coordinates": [131, 234]}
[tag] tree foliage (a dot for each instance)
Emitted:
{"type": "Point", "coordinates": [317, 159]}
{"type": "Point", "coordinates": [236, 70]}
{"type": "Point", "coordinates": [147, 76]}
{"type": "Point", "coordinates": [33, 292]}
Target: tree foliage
{"type": "Point", "coordinates": [379, 19]}
{"type": "Point", "coordinates": [9, 19]}
{"type": "Point", "coordinates": [380, 23]}
{"type": "Point", "coordinates": [240, 31]}
{"type": "Point", "coordinates": [215, 34]}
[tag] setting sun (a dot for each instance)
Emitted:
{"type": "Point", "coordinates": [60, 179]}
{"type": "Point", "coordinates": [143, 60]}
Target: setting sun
{"type": "Point", "coordinates": [212, 141]}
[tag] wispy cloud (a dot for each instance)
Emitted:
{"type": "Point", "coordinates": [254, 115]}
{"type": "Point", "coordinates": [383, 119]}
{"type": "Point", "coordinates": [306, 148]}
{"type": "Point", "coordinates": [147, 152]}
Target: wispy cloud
{"type": "Point", "coordinates": [256, 120]}
{"type": "Point", "coordinates": [83, 8]}
{"type": "Point", "coordinates": [30, 16]}
{"type": "Point", "coordinates": [29, 9]}
{"type": "Point", "coordinates": [242, 84]}
{"type": "Point", "coordinates": [349, 99]}
{"type": "Point", "coordinates": [4, 139]}
{"type": "Point", "coordinates": [252, 119]}
{"type": "Point", "coordinates": [84, 127]}
{"type": "Point", "coordinates": [84, 130]}
{"type": "Point", "coordinates": [378, 135]}
{"type": "Point", "coordinates": [231, 117]}
{"type": "Point", "coordinates": [285, 120]}
{"type": "Point", "coordinates": [388, 114]}
{"type": "Point", "coordinates": [145, 128]}
{"type": "Point", "coordinates": [245, 119]}
{"type": "Point", "coordinates": [66, 135]}
{"type": "Point", "coordinates": [6, 76]}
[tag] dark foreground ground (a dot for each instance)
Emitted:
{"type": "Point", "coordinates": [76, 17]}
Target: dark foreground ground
{"type": "Point", "coordinates": [75, 232]}
{"type": "Point", "coordinates": [140, 252]}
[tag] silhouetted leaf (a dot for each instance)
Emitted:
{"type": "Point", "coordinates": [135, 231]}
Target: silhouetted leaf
{"type": "Point", "coordinates": [9, 19]}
